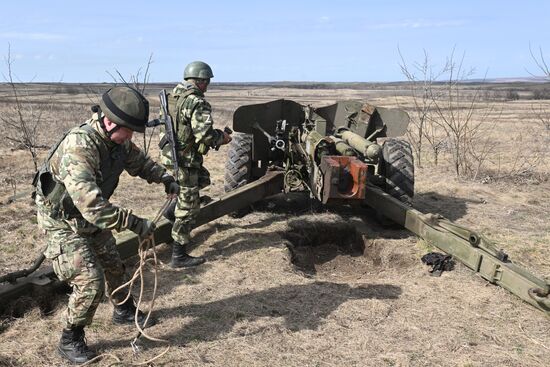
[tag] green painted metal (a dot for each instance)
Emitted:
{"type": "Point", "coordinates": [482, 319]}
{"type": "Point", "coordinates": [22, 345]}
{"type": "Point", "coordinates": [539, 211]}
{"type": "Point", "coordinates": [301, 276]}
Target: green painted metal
{"type": "Point", "coordinates": [268, 185]}
{"type": "Point", "coordinates": [127, 242]}
{"type": "Point", "coordinates": [472, 249]}
{"type": "Point", "coordinates": [198, 69]}
{"type": "Point", "coordinates": [366, 147]}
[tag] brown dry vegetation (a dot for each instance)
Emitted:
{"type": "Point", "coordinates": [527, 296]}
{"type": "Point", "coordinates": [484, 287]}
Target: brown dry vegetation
{"type": "Point", "coordinates": [360, 297]}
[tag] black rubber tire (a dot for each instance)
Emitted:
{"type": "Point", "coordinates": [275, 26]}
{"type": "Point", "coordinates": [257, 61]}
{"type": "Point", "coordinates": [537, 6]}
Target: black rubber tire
{"type": "Point", "coordinates": [238, 167]}
{"type": "Point", "coordinates": [398, 169]}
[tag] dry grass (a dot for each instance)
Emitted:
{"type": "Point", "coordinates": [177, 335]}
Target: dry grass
{"type": "Point", "coordinates": [250, 306]}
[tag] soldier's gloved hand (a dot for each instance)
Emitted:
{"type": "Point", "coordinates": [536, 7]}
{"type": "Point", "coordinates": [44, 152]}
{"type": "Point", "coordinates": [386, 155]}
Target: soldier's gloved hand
{"type": "Point", "coordinates": [142, 227]}
{"type": "Point", "coordinates": [226, 138]}
{"type": "Point", "coordinates": [170, 185]}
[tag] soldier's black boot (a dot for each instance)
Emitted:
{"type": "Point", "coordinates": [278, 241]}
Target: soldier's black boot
{"type": "Point", "coordinates": [126, 312]}
{"type": "Point", "coordinates": [72, 345]}
{"type": "Point", "coordinates": [205, 199]}
{"type": "Point", "coordinates": [181, 259]}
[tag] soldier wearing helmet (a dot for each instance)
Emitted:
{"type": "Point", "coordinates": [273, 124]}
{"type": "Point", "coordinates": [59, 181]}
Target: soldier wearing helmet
{"type": "Point", "coordinates": [73, 188]}
{"type": "Point", "coordinates": [192, 117]}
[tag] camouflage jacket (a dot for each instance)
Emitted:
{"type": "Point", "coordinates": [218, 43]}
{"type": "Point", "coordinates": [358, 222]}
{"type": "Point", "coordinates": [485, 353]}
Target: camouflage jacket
{"type": "Point", "coordinates": [79, 174]}
{"type": "Point", "coordinates": [192, 117]}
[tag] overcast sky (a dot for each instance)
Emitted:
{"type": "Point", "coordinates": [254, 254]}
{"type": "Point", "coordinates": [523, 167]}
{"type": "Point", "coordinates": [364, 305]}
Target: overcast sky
{"type": "Point", "coordinates": [78, 41]}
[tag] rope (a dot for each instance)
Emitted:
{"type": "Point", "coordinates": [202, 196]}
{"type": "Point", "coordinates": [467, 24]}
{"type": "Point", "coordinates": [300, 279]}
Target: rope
{"type": "Point", "coordinates": [145, 244]}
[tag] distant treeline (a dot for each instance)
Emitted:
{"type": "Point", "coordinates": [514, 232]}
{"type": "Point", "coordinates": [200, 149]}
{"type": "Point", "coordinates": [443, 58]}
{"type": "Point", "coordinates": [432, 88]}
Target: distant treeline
{"type": "Point", "coordinates": [491, 90]}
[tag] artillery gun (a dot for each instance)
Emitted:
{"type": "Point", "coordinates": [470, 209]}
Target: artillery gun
{"type": "Point", "coordinates": [345, 153]}
{"type": "Point", "coordinates": [349, 153]}
{"type": "Point", "coordinates": [334, 152]}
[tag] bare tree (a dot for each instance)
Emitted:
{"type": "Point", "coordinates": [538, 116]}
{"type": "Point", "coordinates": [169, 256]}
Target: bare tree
{"type": "Point", "coordinates": [455, 114]}
{"type": "Point", "coordinates": [542, 114]}
{"type": "Point", "coordinates": [540, 61]}
{"type": "Point", "coordinates": [22, 119]}
{"type": "Point", "coordinates": [422, 80]}
{"type": "Point", "coordinates": [541, 111]}
{"type": "Point", "coordinates": [139, 82]}
{"type": "Point", "coordinates": [445, 114]}
{"type": "Point", "coordinates": [512, 95]}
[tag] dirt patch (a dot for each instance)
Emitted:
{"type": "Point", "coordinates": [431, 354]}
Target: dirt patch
{"type": "Point", "coordinates": [332, 245]}
{"type": "Point", "coordinates": [313, 242]}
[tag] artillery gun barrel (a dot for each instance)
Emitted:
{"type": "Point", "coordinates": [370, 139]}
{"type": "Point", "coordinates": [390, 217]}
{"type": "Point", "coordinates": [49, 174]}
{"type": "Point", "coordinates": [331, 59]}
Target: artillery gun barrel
{"type": "Point", "coordinates": [368, 148]}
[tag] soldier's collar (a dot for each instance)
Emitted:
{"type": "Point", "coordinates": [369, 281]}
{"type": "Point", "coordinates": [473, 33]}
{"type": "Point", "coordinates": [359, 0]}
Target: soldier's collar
{"type": "Point", "coordinates": [96, 124]}
{"type": "Point", "coordinates": [186, 86]}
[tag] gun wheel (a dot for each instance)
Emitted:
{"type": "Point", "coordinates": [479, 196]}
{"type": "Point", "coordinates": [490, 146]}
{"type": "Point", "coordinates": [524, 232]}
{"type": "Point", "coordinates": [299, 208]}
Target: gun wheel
{"type": "Point", "coordinates": [398, 169]}
{"type": "Point", "coordinates": [238, 167]}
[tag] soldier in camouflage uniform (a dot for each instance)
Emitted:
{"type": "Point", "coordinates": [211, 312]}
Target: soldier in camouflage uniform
{"type": "Point", "coordinates": [72, 191]}
{"type": "Point", "coordinates": [195, 135]}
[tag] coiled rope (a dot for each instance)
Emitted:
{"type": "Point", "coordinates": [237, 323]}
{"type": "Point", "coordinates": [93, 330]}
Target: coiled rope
{"type": "Point", "coordinates": [145, 244]}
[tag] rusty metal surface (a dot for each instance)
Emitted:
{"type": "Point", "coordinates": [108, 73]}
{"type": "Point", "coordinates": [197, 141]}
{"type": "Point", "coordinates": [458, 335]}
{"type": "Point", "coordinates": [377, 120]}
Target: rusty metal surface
{"type": "Point", "coordinates": [344, 177]}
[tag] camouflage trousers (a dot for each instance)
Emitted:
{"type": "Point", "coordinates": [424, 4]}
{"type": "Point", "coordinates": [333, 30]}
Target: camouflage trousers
{"type": "Point", "coordinates": [86, 263]}
{"type": "Point", "coordinates": [191, 180]}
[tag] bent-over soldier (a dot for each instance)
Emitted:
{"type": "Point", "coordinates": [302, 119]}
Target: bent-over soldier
{"type": "Point", "coordinates": [73, 188]}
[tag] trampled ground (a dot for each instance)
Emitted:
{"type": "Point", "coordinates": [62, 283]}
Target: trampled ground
{"type": "Point", "coordinates": [363, 297]}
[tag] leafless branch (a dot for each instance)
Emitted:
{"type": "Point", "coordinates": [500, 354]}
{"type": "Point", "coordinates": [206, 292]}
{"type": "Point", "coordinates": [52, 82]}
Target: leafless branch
{"type": "Point", "coordinates": [540, 62]}
{"type": "Point", "coordinates": [445, 115]}
{"type": "Point", "coordinates": [422, 80]}
{"type": "Point", "coordinates": [22, 121]}
{"type": "Point", "coordinates": [139, 83]}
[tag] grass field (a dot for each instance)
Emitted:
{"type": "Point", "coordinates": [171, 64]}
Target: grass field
{"type": "Point", "coordinates": [367, 304]}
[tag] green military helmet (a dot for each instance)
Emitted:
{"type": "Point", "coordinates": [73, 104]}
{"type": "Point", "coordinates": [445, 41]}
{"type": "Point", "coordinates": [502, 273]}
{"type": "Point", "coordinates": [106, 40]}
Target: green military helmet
{"type": "Point", "coordinates": [126, 107]}
{"type": "Point", "coordinates": [198, 70]}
